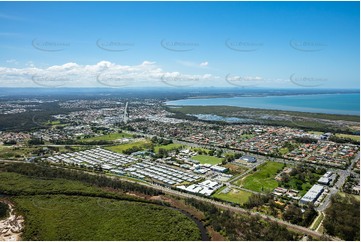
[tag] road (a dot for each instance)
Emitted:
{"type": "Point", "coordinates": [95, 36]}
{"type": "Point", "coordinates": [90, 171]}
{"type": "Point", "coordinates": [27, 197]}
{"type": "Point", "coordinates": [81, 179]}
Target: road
{"type": "Point", "coordinates": [343, 174]}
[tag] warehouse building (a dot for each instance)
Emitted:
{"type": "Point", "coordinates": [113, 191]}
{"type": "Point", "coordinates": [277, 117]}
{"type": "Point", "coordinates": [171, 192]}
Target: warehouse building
{"type": "Point", "coordinates": [312, 194]}
{"type": "Point", "coordinates": [249, 159]}
{"type": "Point", "coordinates": [219, 168]}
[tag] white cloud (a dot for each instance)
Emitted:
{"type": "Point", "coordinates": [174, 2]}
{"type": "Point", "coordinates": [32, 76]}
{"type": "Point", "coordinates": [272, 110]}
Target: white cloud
{"type": "Point", "coordinates": [103, 73]}
{"type": "Point", "coordinates": [12, 61]}
{"type": "Point", "coordinates": [203, 64]}
{"type": "Point", "coordinates": [192, 64]}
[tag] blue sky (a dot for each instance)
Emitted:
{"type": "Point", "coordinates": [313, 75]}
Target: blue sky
{"type": "Point", "coordinates": [247, 44]}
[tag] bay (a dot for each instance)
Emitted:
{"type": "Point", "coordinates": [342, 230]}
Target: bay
{"type": "Point", "coordinates": [315, 103]}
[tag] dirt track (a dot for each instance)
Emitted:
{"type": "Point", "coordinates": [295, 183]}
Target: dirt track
{"type": "Point", "coordinates": [11, 227]}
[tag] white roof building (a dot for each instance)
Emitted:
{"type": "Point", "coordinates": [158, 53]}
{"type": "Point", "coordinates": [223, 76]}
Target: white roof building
{"type": "Point", "coordinates": [312, 194]}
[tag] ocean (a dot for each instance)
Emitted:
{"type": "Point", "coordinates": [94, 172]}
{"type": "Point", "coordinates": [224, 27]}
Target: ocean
{"type": "Point", "coordinates": [348, 104]}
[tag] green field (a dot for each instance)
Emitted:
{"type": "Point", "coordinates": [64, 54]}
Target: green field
{"type": "Point", "coordinates": [109, 137]}
{"type": "Point", "coordinates": [61, 217]}
{"type": "Point", "coordinates": [9, 152]}
{"type": "Point", "coordinates": [283, 151]}
{"type": "Point", "coordinates": [263, 178]}
{"type": "Point", "coordinates": [206, 159]}
{"type": "Point", "coordinates": [235, 196]}
{"type": "Point", "coordinates": [197, 149]}
{"type": "Point", "coordinates": [350, 136]}
{"type": "Point", "coordinates": [247, 136]}
{"type": "Point", "coordinates": [55, 122]}
{"type": "Point", "coordinates": [167, 147]}
{"type": "Point", "coordinates": [144, 144]}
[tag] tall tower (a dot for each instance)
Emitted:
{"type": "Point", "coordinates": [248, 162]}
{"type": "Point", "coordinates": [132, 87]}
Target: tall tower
{"type": "Point", "coordinates": [126, 115]}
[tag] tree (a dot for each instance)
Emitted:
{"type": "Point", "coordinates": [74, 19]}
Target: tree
{"type": "Point", "coordinates": [293, 214]}
{"type": "Point", "coordinates": [4, 210]}
{"type": "Point", "coordinates": [343, 218]}
{"type": "Point", "coordinates": [10, 142]}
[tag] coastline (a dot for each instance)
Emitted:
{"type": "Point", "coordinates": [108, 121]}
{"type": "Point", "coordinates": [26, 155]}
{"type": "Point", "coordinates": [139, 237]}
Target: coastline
{"type": "Point", "coordinates": [229, 102]}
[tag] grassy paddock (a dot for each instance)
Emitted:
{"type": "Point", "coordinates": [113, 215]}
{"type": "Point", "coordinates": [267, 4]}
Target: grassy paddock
{"type": "Point", "coordinates": [109, 137]}
{"type": "Point", "coordinates": [167, 147]}
{"type": "Point", "coordinates": [263, 178]}
{"type": "Point", "coordinates": [206, 159]}
{"type": "Point", "coordinates": [120, 148]}
{"type": "Point", "coordinates": [235, 196]}
{"type": "Point", "coordinates": [350, 136]}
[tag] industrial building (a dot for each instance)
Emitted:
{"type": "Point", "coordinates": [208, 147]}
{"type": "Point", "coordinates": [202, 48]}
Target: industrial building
{"type": "Point", "coordinates": [206, 187]}
{"type": "Point", "coordinates": [312, 194]}
{"type": "Point", "coordinates": [325, 179]}
{"type": "Point", "coordinates": [219, 168]}
{"type": "Point", "coordinates": [249, 159]}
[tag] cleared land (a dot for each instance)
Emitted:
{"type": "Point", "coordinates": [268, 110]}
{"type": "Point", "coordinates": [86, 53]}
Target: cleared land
{"type": "Point", "coordinates": [167, 147]}
{"type": "Point", "coordinates": [206, 159]}
{"type": "Point", "coordinates": [109, 137]}
{"type": "Point", "coordinates": [263, 179]}
{"type": "Point", "coordinates": [235, 196]}
{"type": "Point", "coordinates": [9, 152]}
{"type": "Point", "coordinates": [235, 169]}
{"type": "Point", "coordinates": [90, 218]}
{"type": "Point", "coordinates": [143, 144]}
{"type": "Point", "coordinates": [350, 136]}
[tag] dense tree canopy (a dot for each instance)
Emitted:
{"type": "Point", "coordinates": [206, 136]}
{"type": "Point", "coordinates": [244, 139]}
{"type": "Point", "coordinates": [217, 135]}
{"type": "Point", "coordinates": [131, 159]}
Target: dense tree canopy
{"type": "Point", "coordinates": [4, 209]}
{"type": "Point", "coordinates": [343, 218]}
